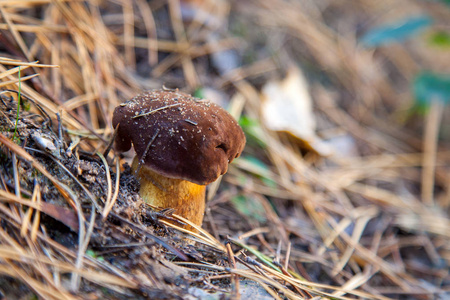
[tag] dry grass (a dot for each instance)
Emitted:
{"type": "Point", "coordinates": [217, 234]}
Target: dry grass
{"type": "Point", "coordinates": [372, 225]}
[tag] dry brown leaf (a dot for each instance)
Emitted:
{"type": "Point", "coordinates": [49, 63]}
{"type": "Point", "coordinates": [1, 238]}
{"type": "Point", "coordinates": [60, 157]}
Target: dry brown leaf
{"type": "Point", "coordinates": [287, 106]}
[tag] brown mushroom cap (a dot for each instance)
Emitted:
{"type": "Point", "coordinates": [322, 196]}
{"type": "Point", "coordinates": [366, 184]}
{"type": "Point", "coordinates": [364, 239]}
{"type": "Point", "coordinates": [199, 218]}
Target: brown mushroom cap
{"type": "Point", "coordinates": [196, 138]}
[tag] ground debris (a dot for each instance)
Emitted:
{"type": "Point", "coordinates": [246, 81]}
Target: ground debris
{"type": "Point", "coordinates": [285, 222]}
{"type": "Point", "coordinates": [134, 249]}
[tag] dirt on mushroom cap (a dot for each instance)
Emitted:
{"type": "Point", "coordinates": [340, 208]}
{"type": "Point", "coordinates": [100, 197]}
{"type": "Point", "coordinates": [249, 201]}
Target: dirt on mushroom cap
{"type": "Point", "coordinates": [195, 139]}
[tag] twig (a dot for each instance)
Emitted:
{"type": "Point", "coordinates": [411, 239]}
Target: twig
{"type": "Point", "coordinates": [110, 202]}
{"type": "Point", "coordinates": [430, 140]}
{"type": "Point", "coordinates": [152, 236]}
{"type": "Point", "coordinates": [111, 142]}
{"type": "Point", "coordinates": [18, 105]}
{"type": "Point", "coordinates": [155, 110]}
{"type": "Point", "coordinates": [141, 161]}
{"type": "Point", "coordinates": [235, 277]}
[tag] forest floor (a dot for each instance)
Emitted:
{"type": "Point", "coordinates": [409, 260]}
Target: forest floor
{"type": "Point", "coordinates": [342, 191]}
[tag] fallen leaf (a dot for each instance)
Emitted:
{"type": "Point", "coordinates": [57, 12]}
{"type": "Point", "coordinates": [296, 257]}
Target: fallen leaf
{"type": "Point", "coordinates": [287, 107]}
{"type": "Point", "coordinates": [66, 216]}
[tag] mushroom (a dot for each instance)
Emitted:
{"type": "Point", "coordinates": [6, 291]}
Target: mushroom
{"type": "Point", "coordinates": [182, 144]}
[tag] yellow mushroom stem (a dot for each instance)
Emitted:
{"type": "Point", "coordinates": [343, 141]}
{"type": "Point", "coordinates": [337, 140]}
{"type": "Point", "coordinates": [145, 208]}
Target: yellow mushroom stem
{"type": "Point", "coordinates": [187, 198]}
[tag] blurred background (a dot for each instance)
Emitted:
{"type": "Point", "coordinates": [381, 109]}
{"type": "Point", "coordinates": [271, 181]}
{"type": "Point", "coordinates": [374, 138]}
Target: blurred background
{"type": "Point", "coordinates": [344, 106]}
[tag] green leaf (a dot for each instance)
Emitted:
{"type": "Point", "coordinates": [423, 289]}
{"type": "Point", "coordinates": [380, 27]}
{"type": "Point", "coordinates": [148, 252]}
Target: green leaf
{"type": "Point", "coordinates": [257, 163]}
{"type": "Point", "coordinates": [429, 87]}
{"type": "Point", "coordinates": [249, 207]}
{"type": "Point", "coordinates": [199, 93]}
{"type": "Point", "coordinates": [260, 169]}
{"type": "Point", "coordinates": [253, 131]}
{"type": "Point", "coordinates": [395, 32]}
{"type": "Point", "coordinates": [93, 254]}
{"type": "Point", "coordinates": [262, 257]}
{"type": "Point", "coordinates": [440, 39]}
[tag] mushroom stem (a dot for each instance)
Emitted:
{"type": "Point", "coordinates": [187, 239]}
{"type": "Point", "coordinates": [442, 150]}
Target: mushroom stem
{"type": "Point", "coordinates": [186, 198]}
